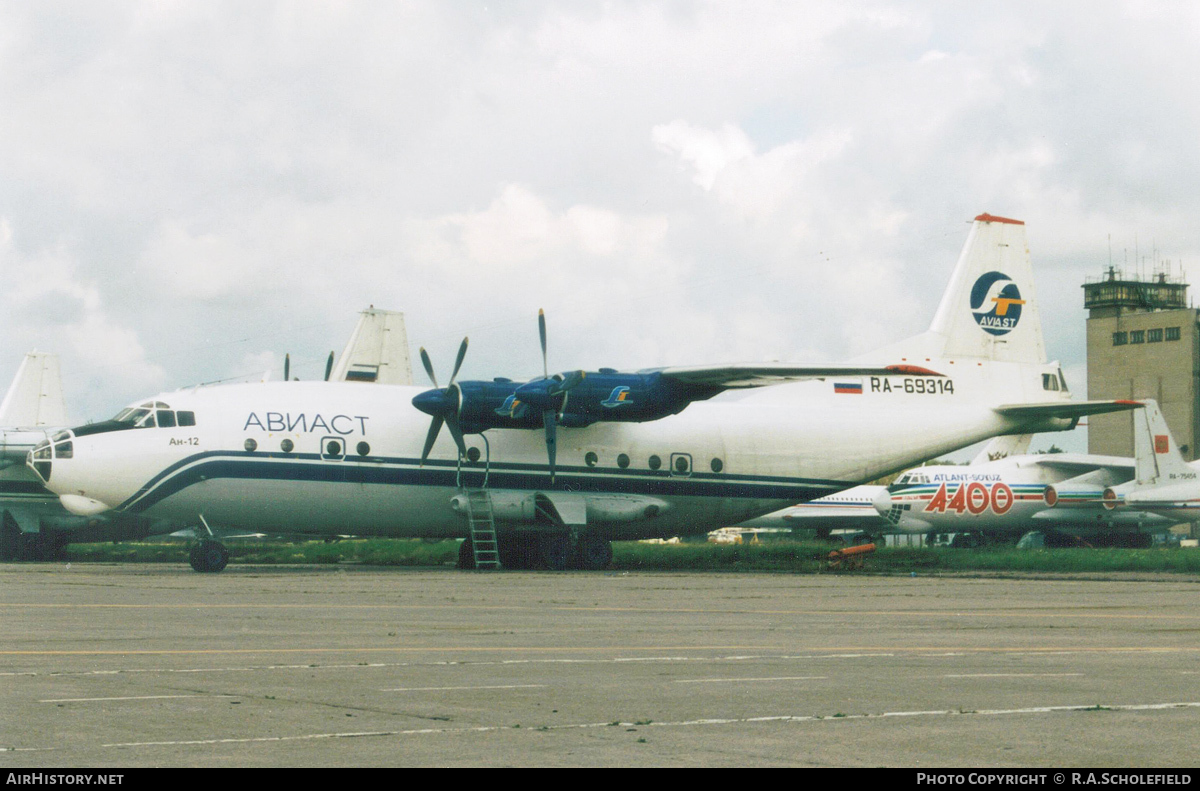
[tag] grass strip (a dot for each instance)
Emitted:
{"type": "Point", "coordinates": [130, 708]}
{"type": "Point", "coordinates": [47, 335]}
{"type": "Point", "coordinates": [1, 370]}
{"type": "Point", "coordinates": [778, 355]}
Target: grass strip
{"type": "Point", "coordinates": [780, 556]}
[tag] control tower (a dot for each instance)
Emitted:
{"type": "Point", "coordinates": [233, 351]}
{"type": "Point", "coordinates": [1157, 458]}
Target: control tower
{"type": "Point", "coordinates": [1142, 342]}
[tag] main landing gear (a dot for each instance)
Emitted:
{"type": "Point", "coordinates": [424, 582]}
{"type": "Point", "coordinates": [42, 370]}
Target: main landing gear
{"type": "Point", "coordinates": [207, 555]}
{"type": "Point", "coordinates": [553, 551]}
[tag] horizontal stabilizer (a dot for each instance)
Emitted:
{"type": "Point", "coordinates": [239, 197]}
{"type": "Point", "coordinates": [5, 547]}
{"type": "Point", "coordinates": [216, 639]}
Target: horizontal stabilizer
{"type": "Point", "coordinates": [742, 375]}
{"type": "Point", "coordinates": [1065, 409]}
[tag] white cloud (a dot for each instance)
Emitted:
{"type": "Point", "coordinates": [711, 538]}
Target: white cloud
{"type": "Point", "coordinates": [202, 183]}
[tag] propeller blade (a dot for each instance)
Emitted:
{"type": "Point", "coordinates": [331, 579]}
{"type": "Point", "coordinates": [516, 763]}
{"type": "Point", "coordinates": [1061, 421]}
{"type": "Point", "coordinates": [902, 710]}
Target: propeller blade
{"type": "Point", "coordinates": [329, 366]}
{"type": "Point", "coordinates": [428, 366]}
{"type": "Point", "coordinates": [431, 437]}
{"type": "Point", "coordinates": [456, 432]}
{"type": "Point", "coordinates": [462, 352]}
{"type": "Point", "coordinates": [542, 335]}
{"type": "Point", "coordinates": [550, 422]}
{"type": "Point", "coordinates": [287, 366]}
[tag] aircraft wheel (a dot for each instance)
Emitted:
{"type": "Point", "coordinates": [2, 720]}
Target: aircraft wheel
{"type": "Point", "coordinates": [595, 553]}
{"type": "Point", "coordinates": [518, 552]}
{"type": "Point", "coordinates": [556, 551]}
{"type": "Point", "coordinates": [466, 555]}
{"type": "Point", "coordinates": [10, 540]}
{"type": "Point", "coordinates": [208, 556]}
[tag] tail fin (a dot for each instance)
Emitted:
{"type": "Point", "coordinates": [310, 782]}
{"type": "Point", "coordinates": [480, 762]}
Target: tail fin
{"type": "Point", "coordinates": [1158, 460]}
{"type": "Point", "coordinates": [1003, 447]}
{"type": "Point", "coordinates": [377, 351]}
{"type": "Point", "coordinates": [989, 309]}
{"type": "Point", "coordinates": [35, 397]}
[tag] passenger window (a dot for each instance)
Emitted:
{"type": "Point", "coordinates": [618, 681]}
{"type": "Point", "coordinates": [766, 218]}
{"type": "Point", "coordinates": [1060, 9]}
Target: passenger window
{"type": "Point", "coordinates": [186, 418]}
{"type": "Point", "coordinates": [166, 419]}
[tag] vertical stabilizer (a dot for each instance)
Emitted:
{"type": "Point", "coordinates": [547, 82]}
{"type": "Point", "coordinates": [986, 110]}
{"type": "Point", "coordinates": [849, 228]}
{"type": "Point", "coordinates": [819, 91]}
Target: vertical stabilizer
{"type": "Point", "coordinates": [1003, 447]}
{"type": "Point", "coordinates": [989, 309]}
{"type": "Point", "coordinates": [1158, 458]}
{"type": "Point", "coordinates": [35, 397]}
{"type": "Point", "coordinates": [377, 351]}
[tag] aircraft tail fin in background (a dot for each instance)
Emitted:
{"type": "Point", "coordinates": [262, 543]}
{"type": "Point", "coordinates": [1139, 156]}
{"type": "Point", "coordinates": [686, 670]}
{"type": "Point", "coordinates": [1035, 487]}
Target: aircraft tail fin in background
{"type": "Point", "coordinates": [35, 397]}
{"type": "Point", "coordinates": [1158, 458]}
{"type": "Point", "coordinates": [377, 351]}
{"type": "Point", "coordinates": [1003, 447]}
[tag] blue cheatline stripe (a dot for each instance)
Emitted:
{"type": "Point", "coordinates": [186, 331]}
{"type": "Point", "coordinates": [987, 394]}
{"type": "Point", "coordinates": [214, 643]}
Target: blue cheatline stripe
{"type": "Point", "coordinates": [408, 472]}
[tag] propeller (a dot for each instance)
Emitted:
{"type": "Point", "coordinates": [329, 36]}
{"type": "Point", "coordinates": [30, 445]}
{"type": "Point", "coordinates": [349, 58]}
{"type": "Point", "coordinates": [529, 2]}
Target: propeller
{"type": "Point", "coordinates": [329, 366]}
{"type": "Point", "coordinates": [287, 366]}
{"type": "Point", "coordinates": [443, 404]}
{"type": "Point", "coordinates": [550, 395]}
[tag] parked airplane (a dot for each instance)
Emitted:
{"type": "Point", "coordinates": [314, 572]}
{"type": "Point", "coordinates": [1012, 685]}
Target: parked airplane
{"type": "Point", "coordinates": [1164, 484]}
{"type": "Point", "coordinates": [33, 523]}
{"type": "Point", "coordinates": [853, 510]}
{"type": "Point", "coordinates": [552, 466]}
{"type": "Point", "coordinates": [1015, 495]}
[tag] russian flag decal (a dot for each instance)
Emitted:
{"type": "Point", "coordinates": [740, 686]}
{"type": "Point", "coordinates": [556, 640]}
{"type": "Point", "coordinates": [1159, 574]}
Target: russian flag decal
{"type": "Point", "coordinates": [847, 387]}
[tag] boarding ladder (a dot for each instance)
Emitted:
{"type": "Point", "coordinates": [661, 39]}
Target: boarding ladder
{"type": "Point", "coordinates": [481, 521]}
{"type": "Point", "coordinates": [482, 526]}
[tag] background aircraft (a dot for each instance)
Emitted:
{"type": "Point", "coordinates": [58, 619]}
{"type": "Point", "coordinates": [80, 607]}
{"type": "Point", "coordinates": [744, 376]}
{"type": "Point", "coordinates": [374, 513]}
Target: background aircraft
{"type": "Point", "coordinates": [572, 471]}
{"type": "Point", "coordinates": [33, 523]}
{"type": "Point", "coordinates": [1012, 496]}
{"type": "Point", "coordinates": [853, 511]}
{"type": "Point", "coordinates": [1164, 484]}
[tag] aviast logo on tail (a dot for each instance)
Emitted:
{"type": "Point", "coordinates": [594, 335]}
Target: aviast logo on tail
{"type": "Point", "coordinates": [997, 290]}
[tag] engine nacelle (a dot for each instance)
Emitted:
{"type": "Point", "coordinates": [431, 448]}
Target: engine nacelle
{"type": "Point", "coordinates": [1066, 495]}
{"type": "Point", "coordinates": [565, 508]}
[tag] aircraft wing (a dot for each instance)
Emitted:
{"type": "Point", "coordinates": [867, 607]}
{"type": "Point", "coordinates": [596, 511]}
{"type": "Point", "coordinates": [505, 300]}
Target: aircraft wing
{"type": "Point", "coordinates": [849, 509]}
{"type": "Point", "coordinates": [1065, 409]}
{"type": "Point", "coordinates": [1075, 464]}
{"type": "Point", "coordinates": [742, 375]}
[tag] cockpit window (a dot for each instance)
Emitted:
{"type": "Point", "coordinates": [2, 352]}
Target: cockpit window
{"type": "Point", "coordinates": [151, 414]}
{"type": "Point", "coordinates": [138, 417]}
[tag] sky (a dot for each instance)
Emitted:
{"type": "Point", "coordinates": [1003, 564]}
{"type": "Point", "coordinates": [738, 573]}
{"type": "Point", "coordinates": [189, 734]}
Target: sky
{"type": "Point", "coordinates": [191, 190]}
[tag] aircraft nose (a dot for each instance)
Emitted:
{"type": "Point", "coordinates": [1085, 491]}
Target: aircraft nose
{"type": "Point", "coordinates": [883, 502]}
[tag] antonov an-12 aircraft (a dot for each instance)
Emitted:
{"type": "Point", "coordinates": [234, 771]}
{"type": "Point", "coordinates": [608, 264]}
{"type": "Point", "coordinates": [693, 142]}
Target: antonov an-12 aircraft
{"type": "Point", "coordinates": [557, 467]}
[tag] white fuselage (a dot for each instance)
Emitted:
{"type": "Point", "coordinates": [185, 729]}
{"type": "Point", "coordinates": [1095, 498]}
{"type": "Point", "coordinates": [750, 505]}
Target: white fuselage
{"type": "Point", "coordinates": [718, 462]}
{"type": "Point", "coordinates": [1004, 496]}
